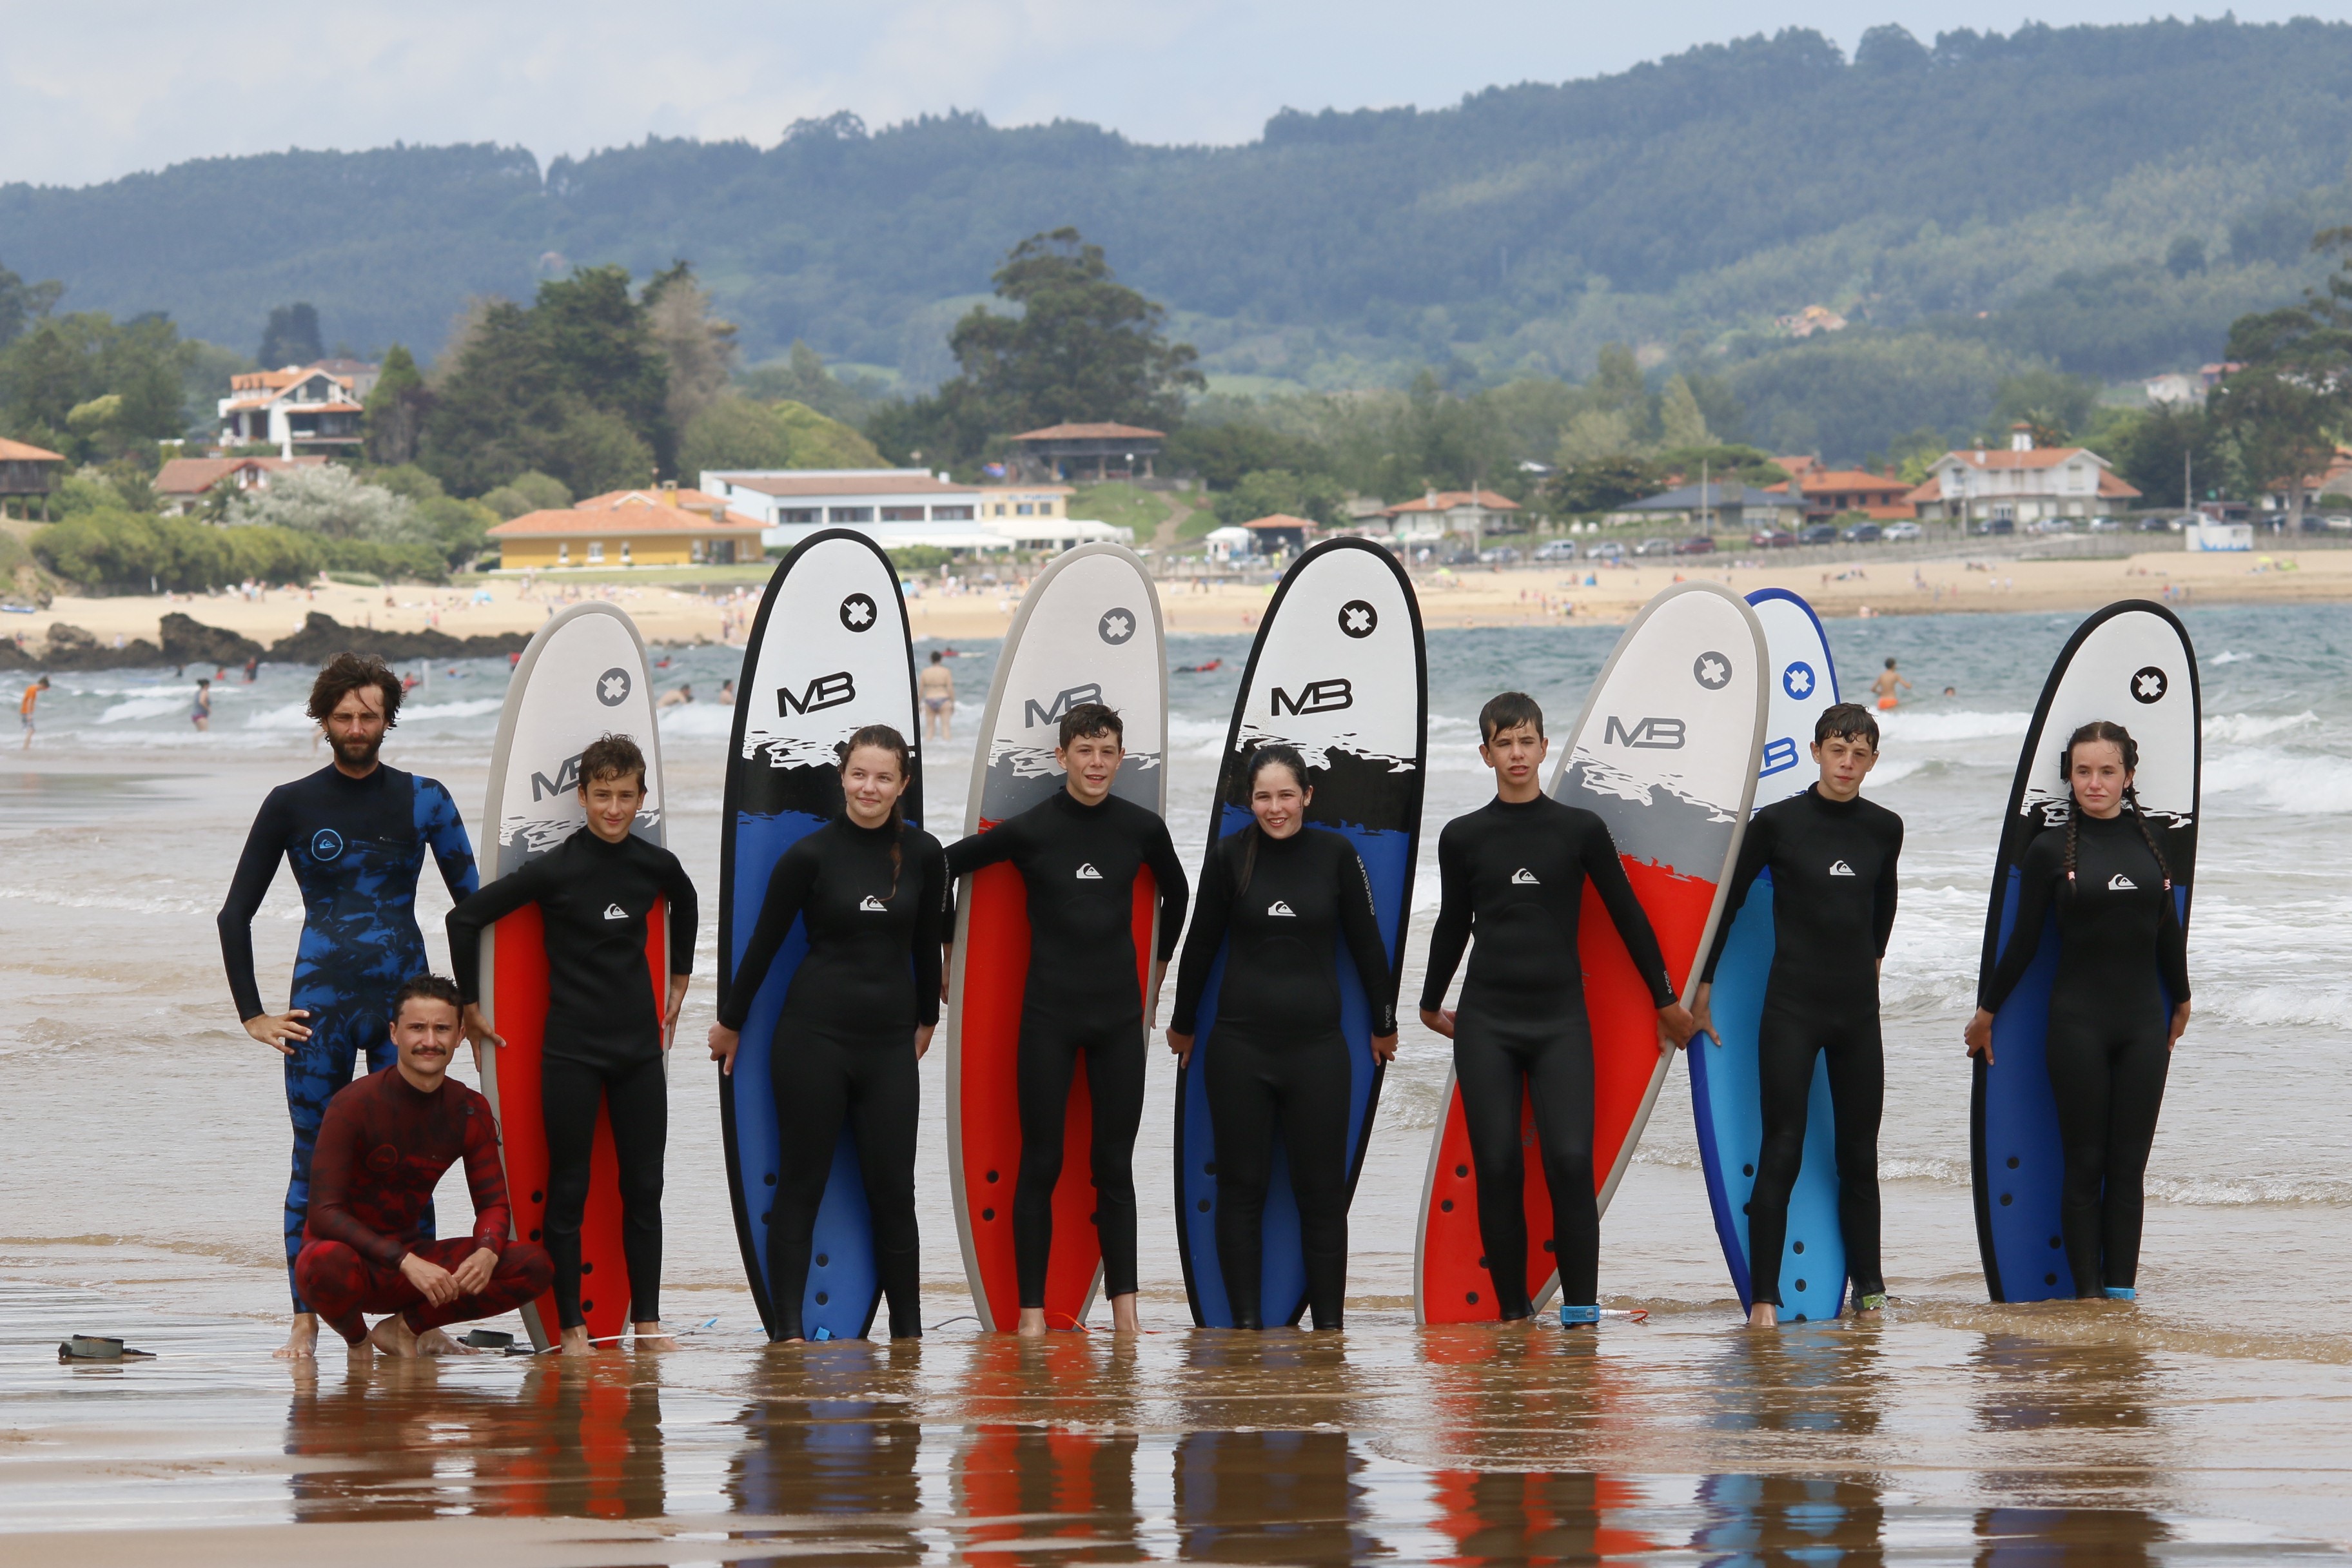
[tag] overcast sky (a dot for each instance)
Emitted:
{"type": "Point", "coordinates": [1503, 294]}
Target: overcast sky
{"type": "Point", "coordinates": [96, 88]}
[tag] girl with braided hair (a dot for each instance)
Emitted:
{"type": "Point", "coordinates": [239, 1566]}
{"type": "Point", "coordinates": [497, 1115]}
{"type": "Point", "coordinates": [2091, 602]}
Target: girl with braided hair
{"type": "Point", "coordinates": [2122, 958]}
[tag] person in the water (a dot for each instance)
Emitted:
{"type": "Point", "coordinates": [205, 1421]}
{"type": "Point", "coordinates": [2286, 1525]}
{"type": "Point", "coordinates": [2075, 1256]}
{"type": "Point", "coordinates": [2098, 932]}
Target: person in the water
{"type": "Point", "coordinates": [1513, 875]}
{"type": "Point", "coordinates": [2117, 1006]}
{"type": "Point", "coordinates": [357, 832]}
{"type": "Point", "coordinates": [1832, 857]}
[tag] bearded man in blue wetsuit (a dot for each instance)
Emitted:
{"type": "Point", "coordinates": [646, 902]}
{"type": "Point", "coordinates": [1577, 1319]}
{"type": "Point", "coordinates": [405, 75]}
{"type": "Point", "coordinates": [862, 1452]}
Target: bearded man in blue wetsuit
{"type": "Point", "coordinates": [357, 832]}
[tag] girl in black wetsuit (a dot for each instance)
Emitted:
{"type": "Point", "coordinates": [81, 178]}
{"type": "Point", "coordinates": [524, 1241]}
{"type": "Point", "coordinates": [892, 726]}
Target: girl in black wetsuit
{"type": "Point", "coordinates": [2121, 951]}
{"type": "Point", "coordinates": [871, 889]}
{"type": "Point", "coordinates": [1286, 896]}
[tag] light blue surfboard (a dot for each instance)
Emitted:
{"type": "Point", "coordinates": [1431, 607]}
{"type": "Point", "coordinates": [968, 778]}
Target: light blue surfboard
{"type": "Point", "coordinates": [1726, 1094]}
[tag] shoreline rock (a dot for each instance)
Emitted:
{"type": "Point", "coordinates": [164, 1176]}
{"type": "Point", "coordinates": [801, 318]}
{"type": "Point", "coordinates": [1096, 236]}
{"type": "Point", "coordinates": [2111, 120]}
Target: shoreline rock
{"type": "Point", "coordinates": [188, 642]}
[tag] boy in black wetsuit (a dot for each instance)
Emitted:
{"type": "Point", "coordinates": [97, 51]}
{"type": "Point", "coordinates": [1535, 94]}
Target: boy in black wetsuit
{"type": "Point", "coordinates": [604, 1041]}
{"type": "Point", "coordinates": [1833, 857]}
{"type": "Point", "coordinates": [1078, 852]}
{"type": "Point", "coordinates": [1513, 872]}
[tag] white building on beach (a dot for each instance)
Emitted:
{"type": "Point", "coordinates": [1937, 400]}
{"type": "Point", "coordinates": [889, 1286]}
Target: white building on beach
{"type": "Point", "coordinates": [897, 509]}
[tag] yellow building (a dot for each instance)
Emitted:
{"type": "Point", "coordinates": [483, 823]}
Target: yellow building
{"type": "Point", "coordinates": [1010, 501]}
{"type": "Point", "coordinates": [667, 527]}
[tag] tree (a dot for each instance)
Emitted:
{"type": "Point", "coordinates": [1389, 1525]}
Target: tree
{"type": "Point", "coordinates": [527, 492]}
{"type": "Point", "coordinates": [1680, 423]}
{"type": "Point", "coordinates": [801, 377]}
{"type": "Point", "coordinates": [2185, 256]}
{"type": "Point", "coordinates": [1275, 490]}
{"type": "Point", "coordinates": [1081, 347]}
{"type": "Point", "coordinates": [698, 347]}
{"type": "Point", "coordinates": [2168, 446]}
{"type": "Point", "coordinates": [1603, 484]}
{"type": "Point", "coordinates": [2050, 404]}
{"type": "Point", "coordinates": [396, 408]}
{"type": "Point", "coordinates": [738, 433]}
{"type": "Point", "coordinates": [332, 503]}
{"type": "Point", "coordinates": [87, 386]}
{"type": "Point", "coordinates": [23, 303]}
{"type": "Point", "coordinates": [291, 338]}
{"type": "Point", "coordinates": [1219, 454]}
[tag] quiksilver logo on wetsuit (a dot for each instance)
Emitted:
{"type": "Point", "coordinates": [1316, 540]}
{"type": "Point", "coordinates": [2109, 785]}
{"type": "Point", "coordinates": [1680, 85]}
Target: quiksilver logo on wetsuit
{"type": "Point", "coordinates": [1087, 873]}
{"type": "Point", "coordinates": [2119, 883]}
{"type": "Point", "coordinates": [615, 913]}
{"type": "Point", "coordinates": [875, 905]}
{"type": "Point", "coordinates": [1523, 878]}
{"type": "Point", "coordinates": [1840, 869]}
{"type": "Point", "coordinates": [1279, 907]}
{"type": "Point", "coordinates": [326, 845]}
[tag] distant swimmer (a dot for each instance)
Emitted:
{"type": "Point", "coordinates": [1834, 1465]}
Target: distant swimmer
{"type": "Point", "coordinates": [357, 832]}
{"type": "Point", "coordinates": [367, 1234]}
{"type": "Point", "coordinates": [936, 686]}
{"type": "Point", "coordinates": [727, 694]}
{"type": "Point", "coordinates": [1832, 857]}
{"type": "Point", "coordinates": [1078, 852]}
{"type": "Point", "coordinates": [1288, 897]}
{"type": "Point", "coordinates": [1883, 687]}
{"type": "Point", "coordinates": [605, 1045]}
{"type": "Point", "coordinates": [1512, 875]}
{"type": "Point", "coordinates": [857, 1017]}
{"type": "Point", "coordinates": [200, 712]}
{"type": "Point", "coordinates": [2121, 950]}
{"type": "Point", "coordinates": [1205, 669]}
{"type": "Point", "coordinates": [25, 705]}
{"type": "Point", "coordinates": [677, 698]}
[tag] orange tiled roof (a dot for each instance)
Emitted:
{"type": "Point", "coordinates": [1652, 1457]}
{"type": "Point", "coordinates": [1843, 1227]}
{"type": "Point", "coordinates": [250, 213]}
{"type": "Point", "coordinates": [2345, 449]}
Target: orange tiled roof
{"type": "Point", "coordinates": [1447, 500]}
{"type": "Point", "coordinates": [1821, 478]}
{"type": "Point", "coordinates": [1281, 520]}
{"type": "Point", "coordinates": [612, 501]}
{"type": "Point", "coordinates": [2038, 457]}
{"type": "Point", "coordinates": [1090, 433]}
{"type": "Point", "coordinates": [18, 452]}
{"type": "Point", "coordinates": [2112, 485]}
{"type": "Point", "coordinates": [194, 476]}
{"type": "Point", "coordinates": [602, 524]}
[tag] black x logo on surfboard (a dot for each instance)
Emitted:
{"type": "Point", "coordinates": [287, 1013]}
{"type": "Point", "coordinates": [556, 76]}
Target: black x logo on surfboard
{"type": "Point", "coordinates": [857, 613]}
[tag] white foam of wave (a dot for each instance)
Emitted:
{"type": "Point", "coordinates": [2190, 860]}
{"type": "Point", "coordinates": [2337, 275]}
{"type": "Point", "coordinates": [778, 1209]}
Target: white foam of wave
{"type": "Point", "coordinates": [472, 708]}
{"type": "Point", "coordinates": [62, 900]}
{"type": "Point", "coordinates": [2296, 783]}
{"type": "Point", "coordinates": [2227, 1192]}
{"type": "Point", "coordinates": [2237, 729]}
{"type": "Point", "coordinates": [285, 716]}
{"type": "Point", "coordinates": [149, 707]}
{"type": "Point", "coordinates": [1887, 772]}
{"type": "Point", "coordinates": [2230, 656]}
{"type": "Point", "coordinates": [1964, 725]}
{"type": "Point", "coordinates": [701, 720]}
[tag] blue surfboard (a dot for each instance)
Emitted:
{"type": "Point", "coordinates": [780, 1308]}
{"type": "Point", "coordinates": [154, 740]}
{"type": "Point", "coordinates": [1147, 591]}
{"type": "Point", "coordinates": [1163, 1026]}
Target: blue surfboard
{"type": "Point", "coordinates": [2131, 663]}
{"type": "Point", "coordinates": [829, 654]}
{"type": "Point", "coordinates": [1338, 670]}
{"type": "Point", "coordinates": [1726, 1097]}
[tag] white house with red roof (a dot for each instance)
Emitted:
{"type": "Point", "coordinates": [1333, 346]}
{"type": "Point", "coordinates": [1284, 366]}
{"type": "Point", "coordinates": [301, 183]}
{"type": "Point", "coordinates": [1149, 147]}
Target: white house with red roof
{"type": "Point", "coordinates": [2025, 484]}
{"type": "Point", "coordinates": [1440, 512]}
{"type": "Point", "coordinates": [302, 408]}
{"type": "Point", "coordinates": [183, 482]}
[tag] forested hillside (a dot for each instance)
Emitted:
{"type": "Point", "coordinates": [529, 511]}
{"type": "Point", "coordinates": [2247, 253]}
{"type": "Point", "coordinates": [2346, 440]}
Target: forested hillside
{"type": "Point", "coordinates": [2103, 199]}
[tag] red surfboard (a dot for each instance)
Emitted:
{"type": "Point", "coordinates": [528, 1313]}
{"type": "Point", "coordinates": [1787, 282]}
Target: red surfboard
{"type": "Point", "coordinates": [583, 675]}
{"type": "Point", "coordinates": [1088, 631]}
{"type": "Point", "coordinates": [1690, 670]}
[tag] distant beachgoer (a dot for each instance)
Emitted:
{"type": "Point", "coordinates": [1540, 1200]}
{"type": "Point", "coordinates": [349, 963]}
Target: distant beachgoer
{"type": "Point", "coordinates": [727, 694]}
{"type": "Point", "coordinates": [1883, 687]}
{"type": "Point", "coordinates": [1952, 691]}
{"type": "Point", "coordinates": [200, 712]}
{"type": "Point", "coordinates": [677, 699]}
{"type": "Point", "coordinates": [252, 670]}
{"type": "Point", "coordinates": [938, 689]}
{"type": "Point", "coordinates": [25, 708]}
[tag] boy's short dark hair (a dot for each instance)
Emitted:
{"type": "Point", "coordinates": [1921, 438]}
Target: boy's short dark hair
{"type": "Point", "coordinates": [1849, 719]}
{"type": "Point", "coordinates": [1509, 711]}
{"type": "Point", "coordinates": [1090, 719]}
{"type": "Point", "coordinates": [431, 988]}
{"type": "Point", "coordinates": [612, 757]}
{"type": "Point", "coordinates": [346, 673]}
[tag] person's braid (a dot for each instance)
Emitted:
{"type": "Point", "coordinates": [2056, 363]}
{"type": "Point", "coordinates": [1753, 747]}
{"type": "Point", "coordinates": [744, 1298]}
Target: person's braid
{"type": "Point", "coordinates": [2149, 836]}
{"type": "Point", "coordinates": [2073, 829]}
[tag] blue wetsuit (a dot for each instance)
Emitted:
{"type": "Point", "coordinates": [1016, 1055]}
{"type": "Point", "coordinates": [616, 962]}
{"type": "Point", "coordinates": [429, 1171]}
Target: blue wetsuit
{"type": "Point", "coordinates": [357, 846]}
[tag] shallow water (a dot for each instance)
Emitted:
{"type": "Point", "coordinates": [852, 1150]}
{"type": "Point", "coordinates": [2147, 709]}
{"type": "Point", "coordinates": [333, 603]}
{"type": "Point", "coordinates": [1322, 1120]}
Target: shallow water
{"type": "Point", "coordinates": [145, 1156]}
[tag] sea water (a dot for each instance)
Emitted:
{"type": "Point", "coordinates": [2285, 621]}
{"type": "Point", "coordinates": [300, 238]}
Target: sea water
{"type": "Point", "coordinates": [145, 1156]}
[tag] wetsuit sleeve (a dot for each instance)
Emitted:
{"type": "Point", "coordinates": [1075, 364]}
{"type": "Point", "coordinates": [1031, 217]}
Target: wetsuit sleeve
{"type": "Point", "coordinates": [2037, 881]}
{"type": "Point", "coordinates": [1607, 874]}
{"type": "Point", "coordinates": [1175, 890]}
{"type": "Point", "coordinates": [1882, 910]}
{"type": "Point", "coordinates": [445, 830]}
{"type": "Point", "coordinates": [486, 1179]}
{"type": "Point", "coordinates": [1755, 849]}
{"type": "Point", "coordinates": [2172, 949]}
{"type": "Point", "coordinates": [333, 1163]}
{"type": "Point", "coordinates": [470, 917]}
{"type": "Point", "coordinates": [1449, 937]}
{"type": "Point", "coordinates": [685, 915]}
{"type": "Point", "coordinates": [256, 869]}
{"type": "Point", "coordinates": [1210, 918]}
{"type": "Point", "coordinates": [788, 889]}
{"type": "Point", "coordinates": [930, 932]}
{"type": "Point", "coordinates": [1360, 927]}
{"type": "Point", "coordinates": [974, 850]}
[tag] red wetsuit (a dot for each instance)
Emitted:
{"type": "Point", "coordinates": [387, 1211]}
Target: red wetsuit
{"type": "Point", "coordinates": [382, 1150]}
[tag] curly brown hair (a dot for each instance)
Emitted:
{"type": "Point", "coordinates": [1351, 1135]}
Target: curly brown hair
{"type": "Point", "coordinates": [612, 757]}
{"type": "Point", "coordinates": [346, 673]}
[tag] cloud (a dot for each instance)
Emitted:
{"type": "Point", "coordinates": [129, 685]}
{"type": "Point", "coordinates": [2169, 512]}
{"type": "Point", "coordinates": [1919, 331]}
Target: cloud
{"type": "Point", "coordinates": [92, 91]}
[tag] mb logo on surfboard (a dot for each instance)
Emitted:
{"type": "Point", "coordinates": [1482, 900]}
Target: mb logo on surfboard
{"type": "Point", "coordinates": [1032, 713]}
{"type": "Point", "coordinates": [1326, 696]}
{"type": "Point", "coordinates": [566, 780]}
{"type": "Point", "coordinates": [825, 691]}
{"type": "Point", "coordinates": [1644, 734]}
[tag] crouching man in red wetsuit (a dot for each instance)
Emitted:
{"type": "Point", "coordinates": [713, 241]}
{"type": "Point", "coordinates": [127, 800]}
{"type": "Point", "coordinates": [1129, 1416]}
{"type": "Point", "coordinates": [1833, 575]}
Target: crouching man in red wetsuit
{"type": "Point", "coordinates": [382, 1147]}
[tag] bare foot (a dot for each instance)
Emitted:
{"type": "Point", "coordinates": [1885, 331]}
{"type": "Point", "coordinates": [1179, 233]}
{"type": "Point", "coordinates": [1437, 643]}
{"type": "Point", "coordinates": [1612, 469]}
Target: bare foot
{"type": "Point", "coordinates": [1763, 1315]}
{"type": "Point", "coordinates": [434, 1342]}
{"type": "Point", "coordinates": [1032, 1323]}
{"type": "Point", "coordinates": [651, 1337]}
{"type": "Point", "coordinates": [301, 1339]}
{"type": "Point", "coordinates": [1123, 1320]}
{"type": "Point", "coordinates": [574, 1341]}
{"type": "Point", "coordinates": [394, 1338]}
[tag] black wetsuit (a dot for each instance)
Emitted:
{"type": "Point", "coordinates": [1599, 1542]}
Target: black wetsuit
{"type": "Point", "coordinates": [604, 1036]}
{"type": "Point", "coordinates": [1514, 875]}
{"type": "Point", "coordinates": [1277, 1058]}
{"type": "Point", "coordinates": [1077, 866]}
{"type": "Point", "coordinates": [872, 899]}
{"type": "Point", "coordinates": [2123, 964]}
{"type": "Point", "coordinates": [1832, 865]}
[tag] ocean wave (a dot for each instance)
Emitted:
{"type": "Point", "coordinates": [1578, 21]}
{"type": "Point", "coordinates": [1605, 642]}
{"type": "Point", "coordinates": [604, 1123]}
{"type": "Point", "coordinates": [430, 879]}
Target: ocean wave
{"type": "Point", "coordinates": [472, 708]}
{"type": "Point", "coordinates": [1964, 725]}
{"type": "Point", "coordinates": [2230, 656]}
{"type": "Point", "coordinates": [2236, 1192]}
{"type": "Point", "coordinates": [2284, 781]}
{"type": "Point", "coordinates": [2237, 729]}
{"type": "Point", "coordinates": [173, 705]}
{"type": "Point", "coordinates": [706, 720]}
{"type": "Point", "coordinates": [284, 716]}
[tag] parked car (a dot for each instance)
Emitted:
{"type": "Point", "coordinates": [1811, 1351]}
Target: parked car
{"type": "Point", "coordinates": [1605, 550]}
{"type": "Point", "coordinates": [1902, 530]}
{"type": "Point", "coordinates": [2313, 523]}
{"type": "Point", "coordinates": [2050, 525]}
{"type": "Point", "coordinates": [1461, 558]}
{"type": "Point", "coordinates": [1819, 534]}
{"type": "Point", "coordinates": [1995, 526]}
{"type": "Point", "coordinates": [1654, 547]}
{"type": "Point", "coordinates": [1501, 555]}
{"type": "Point", "coordinates": [1556, 550]}
{"type": "Point", "coordinates": [1861, 533]}
{"type": "Point", "coordinates": [2106, 525]}
{"type": "Point", "coordinates": [1697, 544]}
{"type": "Point", "coordinates": [2157, 525]}
{"type": "Point", "coordinates": [1773, 538]}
